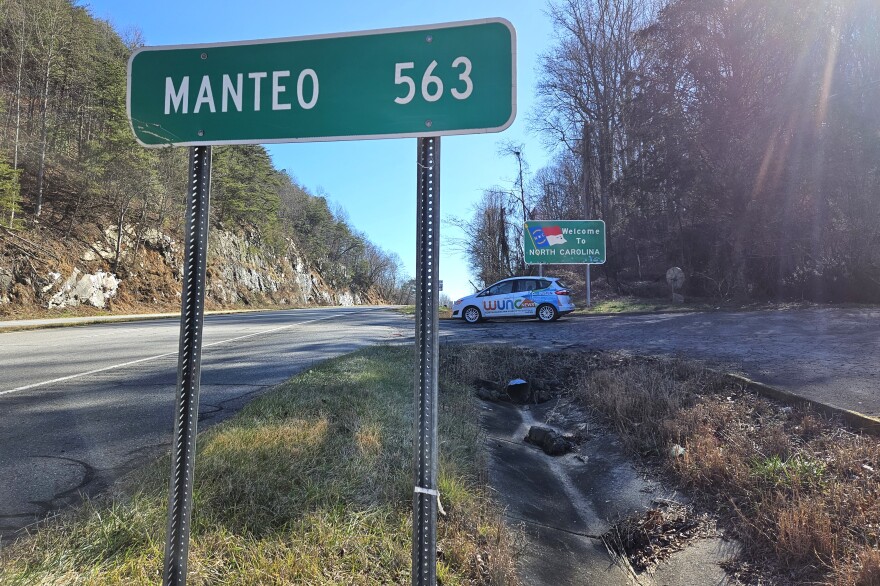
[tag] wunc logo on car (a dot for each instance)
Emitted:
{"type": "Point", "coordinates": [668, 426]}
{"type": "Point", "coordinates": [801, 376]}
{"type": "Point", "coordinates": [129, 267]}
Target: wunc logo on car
{"type": "Point", "coordinates": [547, 236]}
{"type": "Point", "coordinates": [507, 304]}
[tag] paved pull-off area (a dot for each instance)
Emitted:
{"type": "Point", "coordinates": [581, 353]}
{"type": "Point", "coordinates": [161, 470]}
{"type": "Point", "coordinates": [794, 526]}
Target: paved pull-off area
{"type": "Point", "coordinates": [829, 355]}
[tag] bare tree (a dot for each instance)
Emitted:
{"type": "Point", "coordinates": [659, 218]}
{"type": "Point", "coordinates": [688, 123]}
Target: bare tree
{"type": "Point", "coordinates": [585, 85]}
{"type": "Point", "coordinates": [488, 238]}
{"type": "Point", "coordinates": [17, 15]}
{"type": "Point", "coordinates": [516, 149]}
{"type": "Point", "coordinates": [51, 22]}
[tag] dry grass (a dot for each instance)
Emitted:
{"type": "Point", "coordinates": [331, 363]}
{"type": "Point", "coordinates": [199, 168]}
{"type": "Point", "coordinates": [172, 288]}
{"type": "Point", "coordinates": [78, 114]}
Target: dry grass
{"type": "Point", "coordinates": [635, 305]}
{"type": "Point", "coordinates": [310, 484]}
{"type": "Point", "coordinates": [800, 491]}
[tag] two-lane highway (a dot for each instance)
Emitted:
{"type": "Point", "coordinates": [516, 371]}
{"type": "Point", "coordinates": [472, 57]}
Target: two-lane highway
{"type": "Point", "coordinates": [81, 406]}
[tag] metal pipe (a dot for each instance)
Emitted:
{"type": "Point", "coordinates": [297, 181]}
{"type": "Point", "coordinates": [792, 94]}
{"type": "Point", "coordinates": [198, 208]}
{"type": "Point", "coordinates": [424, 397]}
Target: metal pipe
{"type": "Point", "coordinates": [425, 495]}
{"type": "Point", "coordinates": [186, 415]}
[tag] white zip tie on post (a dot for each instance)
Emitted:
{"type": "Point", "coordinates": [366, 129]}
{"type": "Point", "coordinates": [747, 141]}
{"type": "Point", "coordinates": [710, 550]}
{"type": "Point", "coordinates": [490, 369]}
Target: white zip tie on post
{"type": "Point", "coordinates": [429, 491]}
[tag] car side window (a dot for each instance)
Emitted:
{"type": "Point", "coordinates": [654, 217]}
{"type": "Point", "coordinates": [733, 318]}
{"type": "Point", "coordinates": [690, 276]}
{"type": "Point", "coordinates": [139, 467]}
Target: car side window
{"type": "Point", "coordinates": [501, 288]}
{"type": "Point", "coordinates": [526, 285]}
{"type": "Point", "coordinates": [543, 284]}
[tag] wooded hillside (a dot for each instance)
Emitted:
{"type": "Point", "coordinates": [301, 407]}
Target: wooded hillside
{"type": "Point", "coordinates": [70, 167]}
{"type": "Point", "coordinates": [737, 139]}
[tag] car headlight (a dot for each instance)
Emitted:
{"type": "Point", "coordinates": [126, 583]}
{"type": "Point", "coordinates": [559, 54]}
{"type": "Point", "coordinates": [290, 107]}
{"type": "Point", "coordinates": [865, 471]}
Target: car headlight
{"type": "Point", "coordinates": [458, 301]}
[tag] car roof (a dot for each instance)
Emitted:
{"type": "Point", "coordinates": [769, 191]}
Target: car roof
{"type": "Point", "coordinates": [528, 277]}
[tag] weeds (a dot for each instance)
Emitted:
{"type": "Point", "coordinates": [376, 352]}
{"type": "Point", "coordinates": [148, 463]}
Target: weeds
{"type": "Point", "coordinates": [797, 472]}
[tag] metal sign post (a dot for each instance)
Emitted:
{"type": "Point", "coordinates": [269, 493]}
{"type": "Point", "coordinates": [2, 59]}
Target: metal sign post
{"type": "Point", "coordinates": [186, 416]}
{"type": "Point", "coordinates": [425, 495]}
{"type": "Point", "coordinates": [588, 284]}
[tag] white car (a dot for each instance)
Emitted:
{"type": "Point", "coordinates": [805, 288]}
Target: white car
{"type": "Point", "coordinates": [542, 297]}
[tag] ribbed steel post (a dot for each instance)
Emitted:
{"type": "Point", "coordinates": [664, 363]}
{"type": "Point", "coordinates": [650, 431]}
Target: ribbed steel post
{"type": "Point", "coordinates": [588, 285]}
{"type": "Point", "coordinates": [186, 414]}
{"type": "Point", "coordinates": [424, 544]}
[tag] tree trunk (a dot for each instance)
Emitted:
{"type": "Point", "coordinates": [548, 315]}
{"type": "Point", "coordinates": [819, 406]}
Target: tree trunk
{"type": "Point", "coordinates": [119, 224]}
{"type": "Point", "coordinates": [48, 40]}
{"type": "Point", "coordinates": [44, 131]}
{"type": "Point", "coordinates": [139, 233]}
{"type": "Point", "coordinates": [17, 115]}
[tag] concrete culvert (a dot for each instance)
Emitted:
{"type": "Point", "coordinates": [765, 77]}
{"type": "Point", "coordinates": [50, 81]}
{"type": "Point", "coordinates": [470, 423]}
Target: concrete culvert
{"type": "Point", "coordinates": [519, 391]}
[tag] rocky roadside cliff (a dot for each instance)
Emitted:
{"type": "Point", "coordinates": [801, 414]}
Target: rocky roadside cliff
{"type": "Point", "coordinates": [38, 275]}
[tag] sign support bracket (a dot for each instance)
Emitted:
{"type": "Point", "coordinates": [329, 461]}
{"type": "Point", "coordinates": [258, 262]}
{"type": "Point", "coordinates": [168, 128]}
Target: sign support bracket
{"type": "Point", "coordinates": [186, 415]}
{"type": "Point", "coordinates": [425, 495]}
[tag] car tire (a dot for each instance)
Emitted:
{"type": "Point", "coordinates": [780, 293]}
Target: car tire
{"type": "Point", "coordinates": [547, 312]}
{"type": "Point", "coordinates": [471, 314]}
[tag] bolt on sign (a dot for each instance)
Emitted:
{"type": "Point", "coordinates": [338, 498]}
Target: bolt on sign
{"type": "Point", "coordinates": [564, 242]}
{"type": "Point", "coordinates": [456, 78]}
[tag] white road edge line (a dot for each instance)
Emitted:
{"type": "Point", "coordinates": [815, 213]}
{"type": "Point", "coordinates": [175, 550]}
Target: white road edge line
{"type": "Point", "coordinates": [124, 364]}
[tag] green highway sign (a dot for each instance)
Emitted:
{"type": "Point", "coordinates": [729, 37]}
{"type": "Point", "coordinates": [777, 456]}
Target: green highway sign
{"type": "Point", "coordinates": [454, 78]}
{"type": "Point", "coordinates": [564, 242]}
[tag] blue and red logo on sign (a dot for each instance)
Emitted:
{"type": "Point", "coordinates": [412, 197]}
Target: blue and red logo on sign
{"type": "Point", "coordinates": [547, 236]}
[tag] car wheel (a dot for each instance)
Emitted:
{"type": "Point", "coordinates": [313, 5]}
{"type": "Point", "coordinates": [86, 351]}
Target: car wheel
{"type": "Point", "coordinates": [547, 312]}
{"type": "Point", "coordinates": [472, 315]}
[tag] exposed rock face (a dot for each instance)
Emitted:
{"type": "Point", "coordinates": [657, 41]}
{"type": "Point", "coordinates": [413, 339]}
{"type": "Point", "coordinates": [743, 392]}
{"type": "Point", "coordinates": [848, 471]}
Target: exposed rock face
{"type": "Point", "coordinates": [94, 289]}
{"type": "Point", "coordinates": [241, 271]}
{"type": "Point", "coordinates": [7, 280]}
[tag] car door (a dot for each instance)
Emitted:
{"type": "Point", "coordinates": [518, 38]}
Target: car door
{"type": "Point", "coordinates": [496, 300]}
{"type": "Point", "coordinates": [523, 297]}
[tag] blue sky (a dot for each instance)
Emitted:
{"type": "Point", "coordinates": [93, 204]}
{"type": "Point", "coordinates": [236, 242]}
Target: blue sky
{"type": "Point", "coordinates": [374, 180]}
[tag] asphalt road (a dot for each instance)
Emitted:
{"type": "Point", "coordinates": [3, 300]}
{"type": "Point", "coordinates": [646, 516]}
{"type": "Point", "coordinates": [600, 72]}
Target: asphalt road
{"type": "Point", "coordinates": [81, 406]}
{"type": "Point", "coordinates": [830, 355]}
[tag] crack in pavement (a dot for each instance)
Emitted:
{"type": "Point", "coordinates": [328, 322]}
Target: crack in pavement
{"type": "Point", "coordinates": [13, 516]}
{"type": "Point", "coordinates": [144, 449]}
{"type": "Point", "coordinates": [231, 385]}
{"type": "Point", "coordinates": [47, 506]}
{"type": "Point", "coordinates": [94, 479]}
{"type": "Point", "coordinates": [207, 409]}
{"type": "Point", "coordinates": [551, 527]}
{"type": "Point", "coordinates": [257, 390]}
{"type": "Point", "coordinates": [221, 406]}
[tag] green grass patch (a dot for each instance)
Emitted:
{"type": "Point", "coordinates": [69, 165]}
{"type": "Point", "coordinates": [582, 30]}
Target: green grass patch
{"type": "Point", "coordinates": [309, 484]}
{"type": "Point", "coordinates": [800, 471]}
{"type": "Point", "coordinates": [442, 313]}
